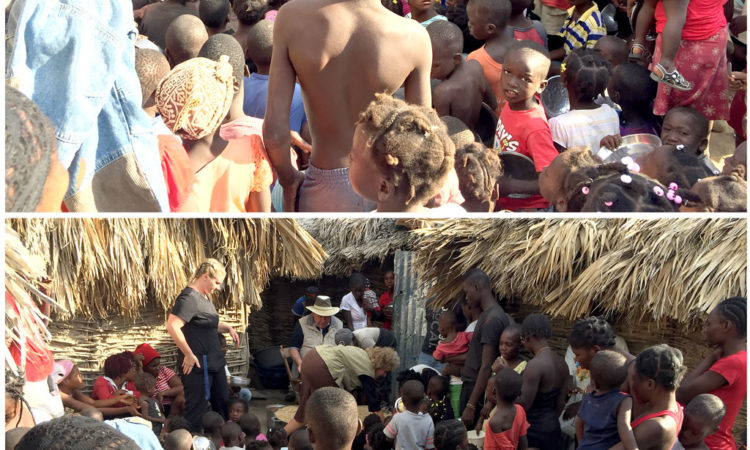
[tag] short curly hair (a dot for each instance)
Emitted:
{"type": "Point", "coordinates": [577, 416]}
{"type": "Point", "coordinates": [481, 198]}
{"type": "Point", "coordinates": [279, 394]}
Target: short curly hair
{"type": "Point", "coordinates": [383, 358]}
{"type": "Point", "coordinates": [723, 193]}
{"type": "Point", "coordinates": [410, 144]}
{"type": "Point", "coordinates": [478, 169]}
{"type": "Point", "coordinates": [250, 12]}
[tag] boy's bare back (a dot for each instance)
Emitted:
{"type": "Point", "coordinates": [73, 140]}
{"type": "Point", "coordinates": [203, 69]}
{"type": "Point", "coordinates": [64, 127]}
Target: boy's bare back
{"type": "Point", "coordinates": [342, 52]}
{"type": "Point", "coordinates": [461, 95]}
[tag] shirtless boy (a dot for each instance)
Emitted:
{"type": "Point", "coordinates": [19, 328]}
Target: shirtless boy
{"type": "Point", "coordinates": [342, 54]}
{"type": "Point", "coordinates": [463, 87]}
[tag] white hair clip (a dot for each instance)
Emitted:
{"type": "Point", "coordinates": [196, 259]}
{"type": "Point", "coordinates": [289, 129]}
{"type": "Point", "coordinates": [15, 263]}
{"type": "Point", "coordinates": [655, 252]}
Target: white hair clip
{"type": "Point", "coordinates": [625, 178]}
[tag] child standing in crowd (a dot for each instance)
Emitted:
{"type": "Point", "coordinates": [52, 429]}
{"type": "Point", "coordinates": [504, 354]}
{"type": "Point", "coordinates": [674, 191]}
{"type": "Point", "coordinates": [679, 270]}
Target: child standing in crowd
{"type": "Point", "coordinates": [151, 408]}
{"type": "Point", "coordinates": [488, 21]}
{"type": "Point", "coordinates": [478, 169]}
{"type": "Point", "coordinates": [423, 11]}
{"type": "Point", "coordinates": [237, 408]}
{"type": "Point", "coordinates": [523, 126]}
{"type": "Point", "coordinates": [581, 28]}
{"type": "Point", "coordinates": [703, 414]}
{"type": "Point", "coordinates": [724, 371]}
{"type": "Point", "coordinates": [510, 347]}
{"type": "Point", "coordinates": [507, 428]}
{"type": "Point", "coordinates": [605, 413]}
{"type": "Point", "coordinates": [440, 408]}
{"type": "Point", "coordinates": [524, 28]}
{"type": "Point", "coordinates": [231, 435]}
{"type": "Point", "coordinates": [632, 89]}
{"type": "Point", "coordinates": [411, 429]}
{"type": "Point", "coordinates": [211, 424]}
{"type": "Point", "coordinates": [463, 86]}
{"type": "Point", "coordinates": [585, 76]}
{"type": "Point", "coordinates": [401, 156]}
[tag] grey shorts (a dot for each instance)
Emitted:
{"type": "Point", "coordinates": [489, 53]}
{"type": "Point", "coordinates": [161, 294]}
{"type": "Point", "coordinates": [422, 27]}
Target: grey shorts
{"type": "Point", "coordinates": [330, 191]}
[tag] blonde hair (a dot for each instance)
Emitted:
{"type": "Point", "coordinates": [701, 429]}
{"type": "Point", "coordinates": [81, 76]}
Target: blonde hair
{"type": "Point", "coordinates": [212, 267]}
{"type": "Point", "coordinates": [383, 358]}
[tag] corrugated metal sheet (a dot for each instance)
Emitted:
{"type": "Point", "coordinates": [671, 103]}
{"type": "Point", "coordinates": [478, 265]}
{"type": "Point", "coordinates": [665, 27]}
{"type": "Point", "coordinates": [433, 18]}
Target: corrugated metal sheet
{"type": "Point", "coordinates": [409, 323]}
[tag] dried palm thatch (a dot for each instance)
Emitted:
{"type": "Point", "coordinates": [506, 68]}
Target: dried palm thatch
{"type": "Point", "coordinates": [118, 267]}
{"type": "Point", "coordinates": [676, 269]}
{"type": "Point", "coordinates": [351, 243]}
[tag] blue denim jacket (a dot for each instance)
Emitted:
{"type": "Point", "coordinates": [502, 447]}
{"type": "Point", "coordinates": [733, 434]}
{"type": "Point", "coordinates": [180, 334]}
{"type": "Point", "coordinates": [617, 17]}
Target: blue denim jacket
{"type": "Point", "coordinates": [76, 60]}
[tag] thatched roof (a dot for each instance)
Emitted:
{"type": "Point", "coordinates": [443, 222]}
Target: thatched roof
{"type": "Point", "coordinates": [351, 243]}
{"type": "Point", "coordinates": [116, 267]}
{"type": "Point", "coordinates": [639, 269]}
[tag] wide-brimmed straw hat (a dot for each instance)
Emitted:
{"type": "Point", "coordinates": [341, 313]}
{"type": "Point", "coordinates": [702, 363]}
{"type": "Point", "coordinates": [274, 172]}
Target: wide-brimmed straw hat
{"type": "Point", "coordinates": [322, 306]}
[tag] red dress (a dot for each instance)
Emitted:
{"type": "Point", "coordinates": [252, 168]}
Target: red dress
{"type": "Point", "coordinates": [508, 439]}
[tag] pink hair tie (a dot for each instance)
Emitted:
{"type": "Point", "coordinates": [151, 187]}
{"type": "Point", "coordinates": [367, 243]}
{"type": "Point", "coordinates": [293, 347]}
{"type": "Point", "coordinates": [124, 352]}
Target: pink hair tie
{"type": "Point", "coordinates": [670, 195]}
{"type": "Point", "coordinates": [609, 203]}
{"type": "Point", "coordinates": [585, 190]}
{"type": "Point", "coordinates": [678, 199]}
{"type": "Point", "coordinates": [673, 186]}
{"type": "Point", "coordinates": [659, 191]}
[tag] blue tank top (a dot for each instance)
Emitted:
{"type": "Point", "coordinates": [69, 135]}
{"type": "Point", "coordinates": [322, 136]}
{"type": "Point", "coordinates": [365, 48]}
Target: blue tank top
{"type": "Point", "coordinates": [599, 415]}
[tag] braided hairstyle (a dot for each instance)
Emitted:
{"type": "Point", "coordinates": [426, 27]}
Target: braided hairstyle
{"type": "Point", "coordinates": [663, 364]}
{"type": "Point", "coordinates": [14, 383]}
{"type": "Point", "coordinates": [83, 433]}
{"type": "Point", "coordinates": [675, 164]}
{"type": "Point", "coordinates": [591, 331]}
{"type": "Point", "coordinates": [410, 144]}
{"type": "Point", "coordinates": [723, 193]}
{"type": "Point", "coordinates": [734, 309]}
{"type": "Point", "coordinates": [613, 188]}
{"type": "Point", "coordinates": [449, 434]}
{"type": "Point", "coordinates": [29, 148]}
{"type": "Point", "coordinates": [587, 73]}
{"type": "Point", "coordinates": [478, 169]}
{"type": "Point", "coordinates": [536, 325]}
{"type": "Point", "coordinates": [377, 439]}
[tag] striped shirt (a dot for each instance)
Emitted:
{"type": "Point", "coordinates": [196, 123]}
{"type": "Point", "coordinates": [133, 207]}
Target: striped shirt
{"type": "Point", "coordinates": [585, 31]}
{"type": "Point", "coordinates": [162, 382]}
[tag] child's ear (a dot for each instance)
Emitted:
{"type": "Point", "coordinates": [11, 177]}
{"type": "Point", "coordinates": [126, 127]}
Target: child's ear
{"type": "Point", "coordinates": [561, 205]}
{"type": "Point", "coordinates": [491, 28]}
{"type": "Point", "coordinates": [457, 58]}
{"type": "Point", "coordinates": [703, 145]}
{"type": "Point", "coordinates": [542, 87]}
{"type": "Point", "coordinates": [386, 190]}
{"type": "Point", "coordinates": [310, 435]}
{"type": "Point", "coordinates": [615, 96]}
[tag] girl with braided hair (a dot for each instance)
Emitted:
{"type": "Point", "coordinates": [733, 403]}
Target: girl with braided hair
{"type": "Point", "coordinates": [724, 371]}
{"type": "Point", "coordinates": [451, 435]}
{"type": "Point", "coordinates": [478, 169]}
{"type": "Point", "coordinates": [401, 156]}
{"type": "Point", "coordinates": [17, 410]}
{"type": "Point", "coordinates": [653, 379]}
{"type": "Point", "coordinates": [585, 75]}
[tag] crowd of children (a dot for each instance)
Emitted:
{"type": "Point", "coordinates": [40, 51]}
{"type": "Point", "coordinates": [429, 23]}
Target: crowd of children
{"type": "Point", "coordinates": [211, 137]}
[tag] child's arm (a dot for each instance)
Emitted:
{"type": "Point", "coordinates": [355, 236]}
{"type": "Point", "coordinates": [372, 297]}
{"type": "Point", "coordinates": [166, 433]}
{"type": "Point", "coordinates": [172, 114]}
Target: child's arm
{"type": "Point", "coordinates": [523, 442]}
{"type": "Point", "coordinates": [507, 185]}
{"type": "Point", "coordinates": [644, 21]}
{"type": "Point", "coordinates": [104, 402]}
{"type": "Point", "coordinates": [259, 201]}
{"type": "Point", "coordinates": [579, 427]}
{"type": "Point", "coordinates": [147, 416]}
{"type": "Point", "coordinates": [488, 95]}
{"type": "Point", "coordinates": [69, 401]}
{"type": "Point", "coordinates": [624, 412]}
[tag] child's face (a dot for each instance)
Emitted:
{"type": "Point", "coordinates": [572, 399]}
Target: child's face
{"type": "Point", "coordinates": [389, 280]}
{"type": "Point", "coordinates": [445, 326]}
{"type": "Point", "coordinates": [443, 63]}
{"type": "Point", "coordinates": [364, 173]}
{"type": "Point", "coordinates": [420, 6]}
{"type": "Point", "coordinates": [694, 430]}
{"type": "Point", "coordinates": [130, 375]}
{"type": "Point", "coordinates": [74, 379]}
{"type": "Point", "coordinates": [639, 385]}
{"type": "Point", "coordinates": [520, 80]}
{"type": "Point", "coordinates": [151, 389]}
{"type": "Point", "coordinates": [510, 345]}
{"type": "Point", "coordinates": [235, 412]}
{"type": "Point", "coordinates": [579, 3]}
{"type": "Point", "coordinates": [551, 182]}
{"type": "Point", "coordinates": [739, 158]}
{"type": "Point", "coordinates": [679, 129]}
{"type": "Point", "coordinates": [153, 366]}
{"type": "Point", "coordinates": [478, 24]}
{"type": "Point", "coordinates": [584, 356]}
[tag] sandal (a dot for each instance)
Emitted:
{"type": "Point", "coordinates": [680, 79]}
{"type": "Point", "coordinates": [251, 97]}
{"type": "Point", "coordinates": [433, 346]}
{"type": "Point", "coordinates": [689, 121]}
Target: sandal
{"type": "Point", "coordinates": [638, 52]}
{"type": "Point", "coordinates": [672, 79]}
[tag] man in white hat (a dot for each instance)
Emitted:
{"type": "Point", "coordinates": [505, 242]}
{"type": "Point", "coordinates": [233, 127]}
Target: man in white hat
{"type": "Point", "coordinates": [317, 328]}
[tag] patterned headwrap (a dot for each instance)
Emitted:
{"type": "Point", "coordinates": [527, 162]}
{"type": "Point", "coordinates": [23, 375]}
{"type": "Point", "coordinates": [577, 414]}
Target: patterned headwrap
{"type": "Point", "coordinates": [195, 96]}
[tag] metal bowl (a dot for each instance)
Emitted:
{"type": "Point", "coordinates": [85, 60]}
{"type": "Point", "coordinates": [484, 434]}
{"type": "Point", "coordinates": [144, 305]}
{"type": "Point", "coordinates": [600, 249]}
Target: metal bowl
{"type": "Point", "coordinates": [632, 146]}
{"type": "Point", "coordinates": [555, 98]}
{"type": "Point", "coordinates": [239, 381]}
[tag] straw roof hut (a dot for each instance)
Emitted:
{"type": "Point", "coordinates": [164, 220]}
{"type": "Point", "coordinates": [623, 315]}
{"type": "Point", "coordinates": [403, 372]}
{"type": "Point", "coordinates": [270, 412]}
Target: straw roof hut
{"type": "Point", "coordinates": [116, 279]}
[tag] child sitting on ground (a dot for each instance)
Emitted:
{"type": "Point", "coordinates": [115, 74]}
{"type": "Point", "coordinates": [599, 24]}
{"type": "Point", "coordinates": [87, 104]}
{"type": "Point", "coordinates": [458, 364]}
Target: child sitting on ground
{"type": "Point", "coordinates": [277, 438]}
{"type": "Point", "coordinates": [510, 347]}
{"type": "Point", "coordinates": [231, 434]}
{"type": "Point", "coordinates": [411, 429]}
{"type": "Point", "coordinates": [553, 179]}
{"type": "Point", "coordinates": [237, 407]}
{"type": "Point", "coordinates": [506, 429]}
{"type": "Point", "coordinates": [251, 427]}
{"type": "Point", "coordinates": [585, 76]}
{"type": "Point", "coordinates": [478, 169]}
{"type": "Point", "coordinates": [524, 28]}
{"type": "Point", "coordinates": [582, 27]}
{"type": "Point", "coordinates": [673, 166]}
{"type": "Point", "coordinates": [687, 126]}
{"type": "Point", "coordinates": [194, 100]}
{"type": "Point", "coordinates": [151, 408]}
{"type": "Point", "coordinates": [70, 386]}
{"type": "Point", "coordinates": [631, 88]}
{"type": "Point", "coordinates": [211, 423]}
{"type": "Point", "coordinates": [604, 416]}
{"type": "Point", "coordinates": [401, 156]}
{"type": "Point", "coordinates": [702, 417]}
{"type": "Point", "coordinates": [463, 86]}
{"type": "Point", "coordinates": [721, 193]}
{"type": "Point", "coordinates": [488, 21]}
{"type": "Point", "coordinates": [523, 126]}
{"type": "Point", "coordinates": [439, 406]}
{"type": "Point", "coordinates": [424, 12]}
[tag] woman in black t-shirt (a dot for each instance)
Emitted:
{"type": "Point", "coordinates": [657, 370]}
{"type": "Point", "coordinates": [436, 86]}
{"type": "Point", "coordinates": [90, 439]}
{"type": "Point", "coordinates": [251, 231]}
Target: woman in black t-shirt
{"type": "Point", "coordinates": [194, 326]}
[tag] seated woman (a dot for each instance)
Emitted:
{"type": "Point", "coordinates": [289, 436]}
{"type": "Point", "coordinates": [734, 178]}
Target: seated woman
{"type": "Point", "coordinates": [69, 383]}
{"type": "Point", "coordinates": [119, 370]}
{"type": "Point", "coordinates": [168, 384]}
{"type": "Point", "coordinates": [347, 367]}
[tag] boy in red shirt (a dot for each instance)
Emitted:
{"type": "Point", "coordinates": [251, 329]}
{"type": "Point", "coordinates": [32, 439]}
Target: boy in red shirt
{"type": "Point", "coordinates": [523, 126]}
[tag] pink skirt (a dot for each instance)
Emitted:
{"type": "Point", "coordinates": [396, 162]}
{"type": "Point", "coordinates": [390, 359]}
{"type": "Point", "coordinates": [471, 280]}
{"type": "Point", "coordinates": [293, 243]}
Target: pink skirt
{"type": "Point", "coordinates": [704, 64]}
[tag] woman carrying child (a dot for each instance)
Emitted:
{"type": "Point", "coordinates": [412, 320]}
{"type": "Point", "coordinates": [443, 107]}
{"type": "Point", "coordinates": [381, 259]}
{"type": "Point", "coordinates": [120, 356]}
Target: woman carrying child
{"type": "Point", "coordinates": [724, 371]}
